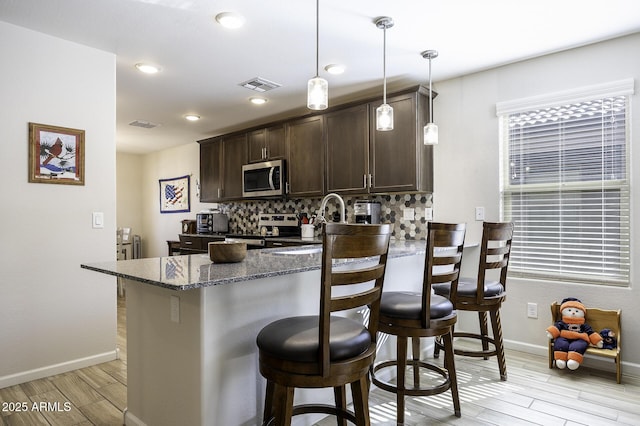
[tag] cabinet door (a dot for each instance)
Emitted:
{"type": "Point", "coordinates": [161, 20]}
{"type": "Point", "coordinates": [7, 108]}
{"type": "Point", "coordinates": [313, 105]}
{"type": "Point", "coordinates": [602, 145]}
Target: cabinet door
{"type": "Point", "coordinates": [210, 170]}
{"type": "Point", "coordinates": [235, 156]}
{"type": "Point", "coordinates": [393, 159]}
{"type": "Point", "coordinates": [347, 141]}
{"type": "Point", "coordinates": [257, 142]}
{"type": "Point", "coordinates": [275, 146]}
{"type": "Point", "coordinates": [305, 154]}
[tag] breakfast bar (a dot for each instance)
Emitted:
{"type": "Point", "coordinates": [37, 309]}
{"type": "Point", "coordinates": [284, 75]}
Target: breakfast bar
{"type": "Point", "coordinates": [192, 324]}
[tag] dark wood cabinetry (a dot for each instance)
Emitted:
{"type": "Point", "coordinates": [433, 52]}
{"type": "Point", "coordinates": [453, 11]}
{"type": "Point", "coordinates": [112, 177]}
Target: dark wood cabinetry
{"type": "Point", "coordinates": [339, 150]}
{"type": "Point", "coordinates": [221, 161]}
{"type": "Point", "coordinates": [305, 155]}
{"type": "Point", "coordinates": [346, 134]}
{"type": "Point", "coordinates": [197, 243]}
{"type": "Point", "coordinates": [398, 159]}
{"type": "Point", "coordinates": [266, 144]}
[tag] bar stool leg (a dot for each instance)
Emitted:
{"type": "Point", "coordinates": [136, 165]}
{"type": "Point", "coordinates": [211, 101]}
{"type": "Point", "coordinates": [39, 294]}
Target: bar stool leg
{"type": "Point", "coordinates": [402, 367]}
{"type": "Point", "coordinates": [449, 365]}
{"type": "Point", "coordinates": [360, 392]}
{"type": "Point", "coordinates": [341, 403]}
{"type": "Point", "coordinates": [497, 337]}
{"type": "Point", "coordinates": [415, 352]}
{"type": "Point", "coordinates": [484, 331]}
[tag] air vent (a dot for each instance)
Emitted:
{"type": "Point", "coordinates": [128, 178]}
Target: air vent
{"type": "Point", "coordinates": [145, 124]}
{"type": "Point", "coordinates": [260, 84]}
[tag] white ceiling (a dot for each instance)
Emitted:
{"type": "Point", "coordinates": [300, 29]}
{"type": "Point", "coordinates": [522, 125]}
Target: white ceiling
{"type": "Point", "coordinates": [203, 63]}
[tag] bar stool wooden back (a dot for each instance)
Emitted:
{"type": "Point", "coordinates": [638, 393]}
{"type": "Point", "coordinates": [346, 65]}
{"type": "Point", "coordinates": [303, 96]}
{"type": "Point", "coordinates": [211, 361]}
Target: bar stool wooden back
{"type": "Point", "coordinates": [329, 350]}
{"type": "Point", "coordinates": [423, 314]}
{"type": "Point", "coordinates": [485, 294]}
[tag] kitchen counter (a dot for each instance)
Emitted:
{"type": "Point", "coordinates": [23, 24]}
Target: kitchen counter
{"type": "Point", "coordinates": [194, 271]}
{"type": "Point", "coordinates": [192, 324]}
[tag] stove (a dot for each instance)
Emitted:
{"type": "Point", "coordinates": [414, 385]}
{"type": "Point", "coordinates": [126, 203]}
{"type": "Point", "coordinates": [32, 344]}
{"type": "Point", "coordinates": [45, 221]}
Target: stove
{"type": "Point", "coordinates": [270, 225]}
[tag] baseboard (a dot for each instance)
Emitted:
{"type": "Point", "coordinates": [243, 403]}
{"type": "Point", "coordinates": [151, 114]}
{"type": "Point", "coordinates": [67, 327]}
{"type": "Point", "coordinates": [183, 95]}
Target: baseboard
{"type": "Point", "coordinates": [630, 371]}
{"type": "Point", "coordinates": [51, 370]}
{"type": "Point", "coordinates": [131, 420]}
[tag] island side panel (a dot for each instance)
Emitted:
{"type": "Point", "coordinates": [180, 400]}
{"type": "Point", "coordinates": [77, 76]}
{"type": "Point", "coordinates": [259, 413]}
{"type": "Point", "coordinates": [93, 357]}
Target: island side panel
{"type": "Point", "coordinates": [163, 357]}
{"type": "Point", "coordinates": [233, 389]}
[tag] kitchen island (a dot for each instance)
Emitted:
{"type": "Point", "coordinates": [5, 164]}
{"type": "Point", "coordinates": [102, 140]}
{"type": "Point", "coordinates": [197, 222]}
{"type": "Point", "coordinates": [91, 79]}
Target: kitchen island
{"type": "Point", "coordinates": [192, 324]}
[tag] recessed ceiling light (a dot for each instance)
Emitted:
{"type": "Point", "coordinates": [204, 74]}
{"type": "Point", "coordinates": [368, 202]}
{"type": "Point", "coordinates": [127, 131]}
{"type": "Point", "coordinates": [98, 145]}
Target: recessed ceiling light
{"type": "Point", "coordinates": [257, 100]}
{"type": "Point", "coordinates": [334, 69]}
{"type": "Point", "coordinates": [147, 68]}
{"type": "Point", "coordinates": [192, 117]}
{"type": "Point", "coordinates": [230, 20]}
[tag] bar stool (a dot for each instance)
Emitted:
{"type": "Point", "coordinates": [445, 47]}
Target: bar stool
{"type": "Point", "coordinates": [328, 350]}
{"type": "Point", "coordinates": [415, 315]}
{"type": "Point", "coordinates": [482, 294]}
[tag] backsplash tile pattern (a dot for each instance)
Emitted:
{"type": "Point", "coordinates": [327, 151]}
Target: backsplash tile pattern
{"type": "Point", "coordinates": [243, 216]}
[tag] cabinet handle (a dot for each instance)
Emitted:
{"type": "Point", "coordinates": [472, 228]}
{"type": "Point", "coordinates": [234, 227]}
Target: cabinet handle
{"type": "Point", "coordinates": [287, 188]}
{"type": "Point", "coordinates": [370, 179]}
{"type": "Point", "coordinates": [219, 192]}
{"type": "Point", "coordinates": [364, 177]}
{"type": "Point", "coordinates": [277, 244]}
{"type": "Point", "coordinates": [266, 153]}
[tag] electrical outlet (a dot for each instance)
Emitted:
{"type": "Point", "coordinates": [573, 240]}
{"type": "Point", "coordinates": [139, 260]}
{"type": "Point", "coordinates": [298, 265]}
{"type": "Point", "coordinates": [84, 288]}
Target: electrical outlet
{"type": "Point", "coordinates": [428, 213]}
{"type": "Point", "coordinates": [479, 213]}
{"type": "Point", "coordinates": [532, 310]}
{"type": "Point", "coordinates": [409, 213]}
{"type": "Point", "coordinates": [175, 309]}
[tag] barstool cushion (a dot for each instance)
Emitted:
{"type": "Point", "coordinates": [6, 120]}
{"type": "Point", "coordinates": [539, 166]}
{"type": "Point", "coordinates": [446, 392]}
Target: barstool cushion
{"type": "Point", "coordinates": [296, 338]}
{"type": "Point", "coordinates": [467, 288]}
{"type": "Point", "coordinates": [407, 305]}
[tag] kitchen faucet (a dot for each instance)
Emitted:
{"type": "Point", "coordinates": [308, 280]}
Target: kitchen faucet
{"type": "Point", "coordinates": [323, 205]}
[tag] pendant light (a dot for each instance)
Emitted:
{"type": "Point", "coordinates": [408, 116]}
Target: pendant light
{"type": "Point", "coordinates": [317, 88]}
{"type": "Point", "coordinates": [431, 129]}
{"type": "Point", "coordinates": [384, 113]}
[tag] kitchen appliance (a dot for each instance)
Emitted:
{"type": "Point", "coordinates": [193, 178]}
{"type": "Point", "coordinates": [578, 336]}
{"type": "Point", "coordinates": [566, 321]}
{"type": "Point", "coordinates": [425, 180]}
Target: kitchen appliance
{"type": "Point", "coordinates": [264, 179]}
{"type": "Point", "coordinates": [367, 211]}
{"type": "Point", "coordinates": [270, 225]}
{"type": "Point", "coordinates": [212, 222]}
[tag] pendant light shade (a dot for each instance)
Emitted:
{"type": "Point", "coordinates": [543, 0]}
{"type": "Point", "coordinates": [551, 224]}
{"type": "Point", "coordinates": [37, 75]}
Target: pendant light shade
{"type": "Point", "coordinates": [384, 113]}
{"type": "Point", "coordinates": [317, 88]}
{"type": "Point", "coordinates": [431, 129]}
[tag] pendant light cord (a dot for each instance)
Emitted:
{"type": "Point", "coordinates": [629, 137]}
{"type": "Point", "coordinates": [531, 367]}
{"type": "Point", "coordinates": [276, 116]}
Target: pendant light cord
{"type": "Point", "coordinates": [384, 65]}
{"type": "Point", "coordinates": [430, 93]}
{"type": "Point", "coordinates": [317, 38]}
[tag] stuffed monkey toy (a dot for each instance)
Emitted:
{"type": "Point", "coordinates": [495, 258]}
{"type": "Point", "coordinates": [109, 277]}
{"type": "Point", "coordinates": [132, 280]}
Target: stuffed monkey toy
{"type": "Point", "coordinates": [572, 335]}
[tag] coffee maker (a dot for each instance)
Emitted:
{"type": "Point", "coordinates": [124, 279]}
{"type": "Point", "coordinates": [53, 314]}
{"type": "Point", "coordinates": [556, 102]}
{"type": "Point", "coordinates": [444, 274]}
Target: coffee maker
{"type": "Point", "coordinates": [367, 211]}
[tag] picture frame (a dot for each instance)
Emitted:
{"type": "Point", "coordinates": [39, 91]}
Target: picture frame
{"type": "Point", "coordinates": [56, 154]}
{"type": "Point", "coordinates": [175, 194]}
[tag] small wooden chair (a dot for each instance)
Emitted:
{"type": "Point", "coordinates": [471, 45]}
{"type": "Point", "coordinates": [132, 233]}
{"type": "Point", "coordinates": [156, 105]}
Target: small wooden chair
{"type": "Point", "coordinates": [598, 319]}
{"type": "Point", "coordinates": [327, 350]}
{"type": "Point", "coordinates": [423, 314]}
{"type": "Point", "coordinates": [484, 294]}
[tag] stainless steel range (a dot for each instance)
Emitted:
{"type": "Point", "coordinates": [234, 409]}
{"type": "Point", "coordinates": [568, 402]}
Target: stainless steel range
{"type": "Point", "coordinates": [270, 225]}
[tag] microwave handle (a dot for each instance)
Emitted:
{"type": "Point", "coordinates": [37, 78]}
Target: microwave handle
{"type": "Point", "coordinates": [271, 185]}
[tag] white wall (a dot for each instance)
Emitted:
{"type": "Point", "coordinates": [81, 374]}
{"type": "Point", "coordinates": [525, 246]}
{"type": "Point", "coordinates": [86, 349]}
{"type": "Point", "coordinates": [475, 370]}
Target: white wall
{"type": "Point", "coordinates": [129, 191]}
{"type": "Point", "coordinates": [55, 316]}
{"type": "Point", "coordinates": [465, 113]}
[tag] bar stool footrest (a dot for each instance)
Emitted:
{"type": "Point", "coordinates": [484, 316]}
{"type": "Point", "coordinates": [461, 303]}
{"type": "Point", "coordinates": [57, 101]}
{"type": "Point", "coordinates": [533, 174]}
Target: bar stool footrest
{"type": "Point", "coordinates": [420, 391]}
{"type": "Point", "coordinates": [317, 409]}
{"type": "Point", "coordinates": [476, 353]}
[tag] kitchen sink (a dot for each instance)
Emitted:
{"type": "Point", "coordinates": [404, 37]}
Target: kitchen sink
{"type": "Point", "coordinates": [297, 251]}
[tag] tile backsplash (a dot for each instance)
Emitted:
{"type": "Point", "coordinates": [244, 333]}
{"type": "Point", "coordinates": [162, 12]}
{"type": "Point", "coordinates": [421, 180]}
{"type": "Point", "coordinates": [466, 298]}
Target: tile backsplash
{"type": "Point", "coordinates": [243, 217]}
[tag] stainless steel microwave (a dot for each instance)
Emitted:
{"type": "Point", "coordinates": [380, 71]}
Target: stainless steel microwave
{"type": "Point", "coordinates": [265, 179]}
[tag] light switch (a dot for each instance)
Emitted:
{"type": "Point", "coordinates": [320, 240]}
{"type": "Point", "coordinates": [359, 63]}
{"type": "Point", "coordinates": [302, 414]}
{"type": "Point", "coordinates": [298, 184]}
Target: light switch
{"type": "Point", "coordinates": [428, 213]}
{"type": "Point", "coordinates": [175, 309]}
{"type": "Point", "coordinates": [98, 220]}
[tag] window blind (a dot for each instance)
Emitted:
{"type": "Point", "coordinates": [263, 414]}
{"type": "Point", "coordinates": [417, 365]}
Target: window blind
{"type": "Point", "coordinates": [565, 186]}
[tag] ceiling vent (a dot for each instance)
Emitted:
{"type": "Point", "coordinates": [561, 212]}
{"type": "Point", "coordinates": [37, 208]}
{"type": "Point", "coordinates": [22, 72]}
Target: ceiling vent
{"type": "Point", "coordinates": [144, 124]}
{"type": "Point", "coordinates": [260, 84]}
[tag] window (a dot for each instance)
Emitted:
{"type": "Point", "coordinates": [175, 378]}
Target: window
{"type": "Point", "coordinates": [565, 184]}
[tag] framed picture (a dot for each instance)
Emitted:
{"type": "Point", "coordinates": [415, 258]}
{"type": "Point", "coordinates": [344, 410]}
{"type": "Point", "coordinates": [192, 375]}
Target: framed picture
{"type": "Point", "coordinates": [175, 195]}
{"type": "Point", "coordinates": [56, 154]}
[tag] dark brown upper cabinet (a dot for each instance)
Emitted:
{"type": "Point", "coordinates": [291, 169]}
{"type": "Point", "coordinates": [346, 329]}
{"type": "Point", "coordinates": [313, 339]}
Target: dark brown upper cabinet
{"type": "Point", "coordinates": [266, 144]}
{"type": "Point", "coordinates": [305, 157]}
{"type": "Point", "coordinates": [221, 161]}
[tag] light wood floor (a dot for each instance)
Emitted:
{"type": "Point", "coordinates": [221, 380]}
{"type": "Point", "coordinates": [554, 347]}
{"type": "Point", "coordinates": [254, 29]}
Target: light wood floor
{"type": "Point", "coordinates": [533, 394]}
